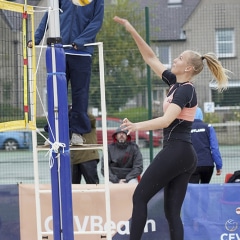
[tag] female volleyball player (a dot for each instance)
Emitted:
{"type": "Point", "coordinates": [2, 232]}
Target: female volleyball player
{"type": "Point", "coordinates": [174, 164]}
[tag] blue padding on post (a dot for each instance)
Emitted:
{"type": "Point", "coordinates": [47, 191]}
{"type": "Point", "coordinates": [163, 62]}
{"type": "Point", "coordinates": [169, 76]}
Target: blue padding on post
{"type": "Point", "coordinates": [58, 111]}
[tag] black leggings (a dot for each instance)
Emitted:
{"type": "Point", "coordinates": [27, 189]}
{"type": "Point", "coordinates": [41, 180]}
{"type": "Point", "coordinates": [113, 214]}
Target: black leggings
{"type": "Point", "coordinates": [202, 174]}
{"type": "Point", "coordinates": [171, 169]}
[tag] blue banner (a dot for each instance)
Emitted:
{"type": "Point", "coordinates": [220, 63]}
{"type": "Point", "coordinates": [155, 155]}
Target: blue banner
{"type": "Point", "coordinates": [209, 212]}
{"type": "Point", "coordinates": [9, 212]}
{"type": "Point", "coordinates": [212, 212]}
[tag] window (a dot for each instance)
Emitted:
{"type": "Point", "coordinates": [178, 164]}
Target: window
{"type": "Point", "coordinates": [225, 44]}
{"type": "Point", "coordinates": [226, 98]}
{"type": "Point", "coordinates": [174, 2]}
{"type": "Point", "coordinates": [163, 53]}
{"type": "Point", "coordinates": [229, 97]}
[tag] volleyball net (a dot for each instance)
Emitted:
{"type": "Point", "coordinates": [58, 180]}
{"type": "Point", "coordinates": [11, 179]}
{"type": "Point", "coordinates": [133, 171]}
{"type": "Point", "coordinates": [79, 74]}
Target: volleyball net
{"type": "Point", "coordinates": [17, 78]}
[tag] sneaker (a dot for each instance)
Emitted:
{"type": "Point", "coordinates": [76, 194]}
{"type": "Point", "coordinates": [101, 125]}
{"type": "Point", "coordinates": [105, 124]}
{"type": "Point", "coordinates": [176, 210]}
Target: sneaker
{"type": "Point", "coordinates": [76, 139]}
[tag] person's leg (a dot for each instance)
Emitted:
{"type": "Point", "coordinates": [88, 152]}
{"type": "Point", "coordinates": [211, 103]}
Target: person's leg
{"type": "Point", "coordinates": [79, 73]}
{"type": "Point", "coordinates": [206, 174]}
{"type": "Point", "coordinates": [195, 177]}
{"type": "Point", "coordinates": [174, 194]}
{"type": "Point", "coordinates": [76, 174]}
{"type": "Point", "coordinates": [203, 198]}
{"type": "Point", "coordinates": [89, 171]}
{"type": "Point", "coordinates": [172, 161]}
{"type": "Point", "coordinates": [144, 191]}
{"type": "Point", "coordinates": [175, 191]}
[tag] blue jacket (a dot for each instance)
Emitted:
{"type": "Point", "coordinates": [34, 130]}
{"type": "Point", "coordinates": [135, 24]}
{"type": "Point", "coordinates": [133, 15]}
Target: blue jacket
{"type": "Point", "coordinates": [78, 25]}
{"type": "Point", "coordinates": [205, 143]}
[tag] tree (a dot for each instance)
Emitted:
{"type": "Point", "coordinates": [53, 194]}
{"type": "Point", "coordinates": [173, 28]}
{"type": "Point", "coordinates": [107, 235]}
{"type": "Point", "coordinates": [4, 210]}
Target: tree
{"type": "Point", "coordinates": [124, 66]}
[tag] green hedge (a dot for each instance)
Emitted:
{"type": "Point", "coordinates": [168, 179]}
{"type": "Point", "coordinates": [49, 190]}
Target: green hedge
{"type": "Point", "coordinates": [133, 114]}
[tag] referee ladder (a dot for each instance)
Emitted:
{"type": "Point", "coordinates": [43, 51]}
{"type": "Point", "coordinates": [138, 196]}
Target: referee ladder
{"type": "Point", "coordinates": [104, 148]}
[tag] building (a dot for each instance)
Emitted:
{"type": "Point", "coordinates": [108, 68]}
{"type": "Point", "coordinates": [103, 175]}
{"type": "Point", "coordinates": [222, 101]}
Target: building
{"type": "Point", "coordinates": [177, 25]}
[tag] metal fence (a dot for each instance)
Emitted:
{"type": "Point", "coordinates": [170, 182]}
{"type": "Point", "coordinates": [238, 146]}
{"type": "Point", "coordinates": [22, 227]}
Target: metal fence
{"type": "Point", "coordinates": [135, 92]}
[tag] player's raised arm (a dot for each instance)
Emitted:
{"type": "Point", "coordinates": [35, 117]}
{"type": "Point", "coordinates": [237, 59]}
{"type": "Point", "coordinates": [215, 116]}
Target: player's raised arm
{"type": "Point", "coordinates": [147, 53]}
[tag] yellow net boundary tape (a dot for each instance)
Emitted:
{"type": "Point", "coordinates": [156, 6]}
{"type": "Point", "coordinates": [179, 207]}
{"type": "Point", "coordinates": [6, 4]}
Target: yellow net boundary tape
{"type": "Point", "coordinates": [15, 7]}
{"type": "Point", "coordinates": [27, 122]}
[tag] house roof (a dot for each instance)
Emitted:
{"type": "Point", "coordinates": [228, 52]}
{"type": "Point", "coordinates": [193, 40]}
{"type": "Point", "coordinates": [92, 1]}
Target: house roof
{"type": "Point", "coordinates": [167, 21]}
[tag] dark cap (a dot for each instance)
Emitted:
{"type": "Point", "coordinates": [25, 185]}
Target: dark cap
{"type": "Point", "coordinates": [119, 130]}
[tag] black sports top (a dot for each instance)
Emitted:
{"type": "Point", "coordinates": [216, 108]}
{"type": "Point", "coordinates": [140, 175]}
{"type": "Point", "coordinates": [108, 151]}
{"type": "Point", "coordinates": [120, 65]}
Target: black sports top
{"type": "Point", "coordinates": [183, 95]}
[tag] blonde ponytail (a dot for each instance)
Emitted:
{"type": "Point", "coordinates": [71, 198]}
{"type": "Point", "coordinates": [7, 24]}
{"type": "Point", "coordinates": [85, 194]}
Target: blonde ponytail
{"type": "Point", "coordinates": [220, 73]}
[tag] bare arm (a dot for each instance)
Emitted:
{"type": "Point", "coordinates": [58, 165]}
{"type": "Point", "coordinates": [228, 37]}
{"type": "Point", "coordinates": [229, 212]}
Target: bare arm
{"type": "Point", "coordinates": [147, 53]}
{"type": "Point", "coordinates": [157, 123]}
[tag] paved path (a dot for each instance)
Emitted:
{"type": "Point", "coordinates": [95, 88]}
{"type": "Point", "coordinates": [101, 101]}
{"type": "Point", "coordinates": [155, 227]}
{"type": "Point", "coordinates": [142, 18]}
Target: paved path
{"type": "Point", "coordinates": [17, 166]}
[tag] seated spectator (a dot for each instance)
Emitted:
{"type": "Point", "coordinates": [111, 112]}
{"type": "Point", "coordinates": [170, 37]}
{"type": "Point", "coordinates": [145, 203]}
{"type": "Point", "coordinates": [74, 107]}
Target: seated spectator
{"type": "Point", "coordinates": [124, 159]}
{"type": "Point", "coordinates": [205, 143]}
{"type": "Point", "coordinates": [84, 162]}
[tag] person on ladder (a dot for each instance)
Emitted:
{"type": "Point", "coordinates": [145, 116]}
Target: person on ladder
{"type": "Point", "coordinates": [84, 162]}
{"type": "Point", "coordinates": [79, 25]}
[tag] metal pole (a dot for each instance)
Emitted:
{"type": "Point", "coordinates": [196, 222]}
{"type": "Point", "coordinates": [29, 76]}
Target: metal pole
{"type": "Point", "coordinates": [149, 86]}
{"type": "Point", "coordinates": [105, 144]}
{"type": "Point", "coordinates": [54, 25]}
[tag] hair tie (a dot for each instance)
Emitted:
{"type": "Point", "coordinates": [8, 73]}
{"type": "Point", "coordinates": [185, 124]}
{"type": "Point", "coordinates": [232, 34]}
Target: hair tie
{"type": "Point", "coordinates": [202, 57]}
